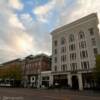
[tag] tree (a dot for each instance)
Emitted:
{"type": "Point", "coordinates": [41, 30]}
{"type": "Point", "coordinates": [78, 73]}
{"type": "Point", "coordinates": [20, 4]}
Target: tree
{"type": "Point", "coordinates": [3, 73]}
{"type": "Point", "coordinates": [15, 72]}
{"type": "Point", "coordinates": [97, 70]}
{"type": "Point", "coordinates": [11, 72]}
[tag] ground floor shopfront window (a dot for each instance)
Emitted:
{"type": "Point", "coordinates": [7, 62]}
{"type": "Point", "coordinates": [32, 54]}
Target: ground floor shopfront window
{"type": "Point", "coordinates": [88, 81]}
{"type": "Point", "coordinates": [60, 81]}
{"type": "Point", "coordinates": [45, 81]}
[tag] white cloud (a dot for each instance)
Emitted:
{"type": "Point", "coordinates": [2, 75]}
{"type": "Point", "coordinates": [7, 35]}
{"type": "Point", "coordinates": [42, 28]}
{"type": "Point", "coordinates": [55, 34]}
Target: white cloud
{"type": "Point", "coordinates": [85, 7]}
{"type": "Point", "coordinates": [60, 3]}
{"type": "Point", "coordinates": [15, 22]}
{"type": "Point", "coordinates": [27, 20]}
{"type": "Point", "coordinates": [23, 43]}
{"type": "Point", "coordinates": [42, 11]}
{"type": "Point", "coordinates": [16, 4]}
{"type": "Point", "coordinates": [14, 40]}
{"type": "Point", "coordinates": [80, 9]}
{"type": "Point", "coordinates": [17, 44]}
{"type": "Point", "coordinates": [17, 38]}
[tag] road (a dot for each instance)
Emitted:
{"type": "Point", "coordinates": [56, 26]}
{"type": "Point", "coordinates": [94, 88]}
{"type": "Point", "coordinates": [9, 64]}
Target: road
{"type": "Point", "coordinates": [33, 94]}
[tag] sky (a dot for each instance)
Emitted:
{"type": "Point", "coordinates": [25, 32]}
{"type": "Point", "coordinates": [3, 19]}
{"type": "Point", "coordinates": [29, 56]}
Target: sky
{"type": "Point", "coordinates": [25, 25]}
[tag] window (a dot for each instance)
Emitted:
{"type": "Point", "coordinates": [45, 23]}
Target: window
{"type": "Point", "coordinates": [81, 35]}
{"type": "Point", "coordinates": [72, 56]}
{"type": "Point", "coordinates": [82, 44]}
{"type": "Point", "coordinates": [95, 51]}
{"type": "Point", "coordinates": [64, 67]}
{"type": "Point", "coordinates": [55, 51]}
{"type": "Point", "coordinates": [63, 58]}
{"type": "Point", "coordinates": [72, 47]}
{"type": "Point", "coordinates": [55, 43]}
{"type": "Point", "coordinates": [62, 40]}
{"type": "Point", "coordinates": [83, 54]}
{"type": "Point", "coordinates": [55, 68]}
{"type": "Point", "coordinates": [71, 38]}
{"type": "Point", "coordinates": [91, 30]}
{"type": "Point", "coordinates": [73, 66]}
{"type": "Point", "coordinates": [63, 49]}
{"type": "Point", "coordinates": [85, 65]}
{"type": "Point", "coordinates": [93, 41]}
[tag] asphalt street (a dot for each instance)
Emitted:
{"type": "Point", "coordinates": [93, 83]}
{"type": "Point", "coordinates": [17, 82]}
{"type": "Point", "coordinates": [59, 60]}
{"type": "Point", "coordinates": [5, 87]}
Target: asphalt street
{"type": "Point", "coordinates": [38, 94]}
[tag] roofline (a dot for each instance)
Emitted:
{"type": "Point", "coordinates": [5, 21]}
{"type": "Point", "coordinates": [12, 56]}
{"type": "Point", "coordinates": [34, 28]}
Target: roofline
{"type": "Point", "coordinates": [75, 23]}
{"type": "Point", "coordinates": [39, 55]}
{"type": "Point", "coordinates": [11, 61]}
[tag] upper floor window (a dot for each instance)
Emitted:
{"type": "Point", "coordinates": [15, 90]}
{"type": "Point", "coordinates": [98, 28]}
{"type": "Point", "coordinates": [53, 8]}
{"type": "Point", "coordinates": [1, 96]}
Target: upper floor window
{"type": "Point", "coordinates": [64, 67]}
{"type": "Point", "coordinates": [81, 35]}
{"type": "Point", "coordinates": [63, 49]}
{"type": "Point", "coordinates": [55, 43]}
{"type": "Point", "coordinates": [63, 58]}
{"type": "Point", "coordinates": [73, 66]}
{"type": "Point", "coordinates": [83, 54]}
{"type": "Point", "coordinates": [82, 44]}
{"type": "Point", "coordinates": [63, 40]}
{"type": "Point", "coordinates": [93, 41]}
{"type": "Point", "coordinates": [55, 51]}
{"type": "Point", "coordinates": [95, 51]}
{"type": "Point", "coordinates": [91, 30]}
{"type": "Point", "coordinates": [72, 47]}
{"type": "Point", "coordinates": [85, 65]}
{"type": "Point", "coordinates": [73, 56]}
{"type": "Point", "coordinates": [71, 38]}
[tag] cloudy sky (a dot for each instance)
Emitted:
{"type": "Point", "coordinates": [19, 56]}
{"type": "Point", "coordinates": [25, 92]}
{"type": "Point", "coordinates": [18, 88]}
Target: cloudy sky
{"type": "Point", "coordinates": [25, 25]}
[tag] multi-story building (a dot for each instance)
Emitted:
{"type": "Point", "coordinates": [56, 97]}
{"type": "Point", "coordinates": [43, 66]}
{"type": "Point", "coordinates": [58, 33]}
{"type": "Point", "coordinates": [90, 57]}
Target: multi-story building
{"type": "Point", "coordinates": [74, 47]}
{"type": "Point", "coordinates": [35, 70]}
{"type": "Point", "coordinates": [32, 68]}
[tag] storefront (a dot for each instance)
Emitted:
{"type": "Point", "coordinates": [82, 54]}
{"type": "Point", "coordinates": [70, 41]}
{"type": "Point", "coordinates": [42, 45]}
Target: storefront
{"type": "Point", "coordinates": [60, 80]}
{"type": "Point", "coordinates": [88, 81]}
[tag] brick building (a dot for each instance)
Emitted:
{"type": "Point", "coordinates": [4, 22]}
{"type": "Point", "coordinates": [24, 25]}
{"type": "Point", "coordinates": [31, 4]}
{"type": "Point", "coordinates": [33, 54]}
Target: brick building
{"type": "Point", "coordinates": [32, 68]}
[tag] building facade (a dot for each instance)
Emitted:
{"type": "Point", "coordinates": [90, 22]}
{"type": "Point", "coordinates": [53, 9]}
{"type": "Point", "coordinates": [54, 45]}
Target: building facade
{"type": "Point", "coordinates": [32, 68]}
{"type": "Point", "coordinates": [46, 79]}
{"type": "Point", "coordinates": [74, 47]}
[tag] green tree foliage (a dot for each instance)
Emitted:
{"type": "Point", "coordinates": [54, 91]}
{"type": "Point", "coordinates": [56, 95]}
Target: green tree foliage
{"type": "Point", "coordinates": [97, 69]}
{"type": "Point", "coordinates": [14, 72]}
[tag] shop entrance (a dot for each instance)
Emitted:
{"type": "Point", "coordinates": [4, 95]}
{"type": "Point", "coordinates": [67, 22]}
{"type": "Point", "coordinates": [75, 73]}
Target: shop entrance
{"type": "Point", "coordinates": [75, 84]}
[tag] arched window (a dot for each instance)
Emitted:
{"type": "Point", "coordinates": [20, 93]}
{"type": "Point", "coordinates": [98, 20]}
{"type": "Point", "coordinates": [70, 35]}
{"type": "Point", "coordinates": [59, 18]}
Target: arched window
{"type": "Point", "coordinates": [71, 38]}
{"type": "Point", "coordinates": [81, 35]}
{"type": "Point", "coordinates": [63, 40]}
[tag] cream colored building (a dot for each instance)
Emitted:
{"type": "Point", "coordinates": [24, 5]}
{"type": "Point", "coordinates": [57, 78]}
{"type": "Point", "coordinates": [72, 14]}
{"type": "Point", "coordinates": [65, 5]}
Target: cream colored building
{"type": "Point", "coordinates": [46, 79]}
{"type": "Point", "coordinates": [74, 47]}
